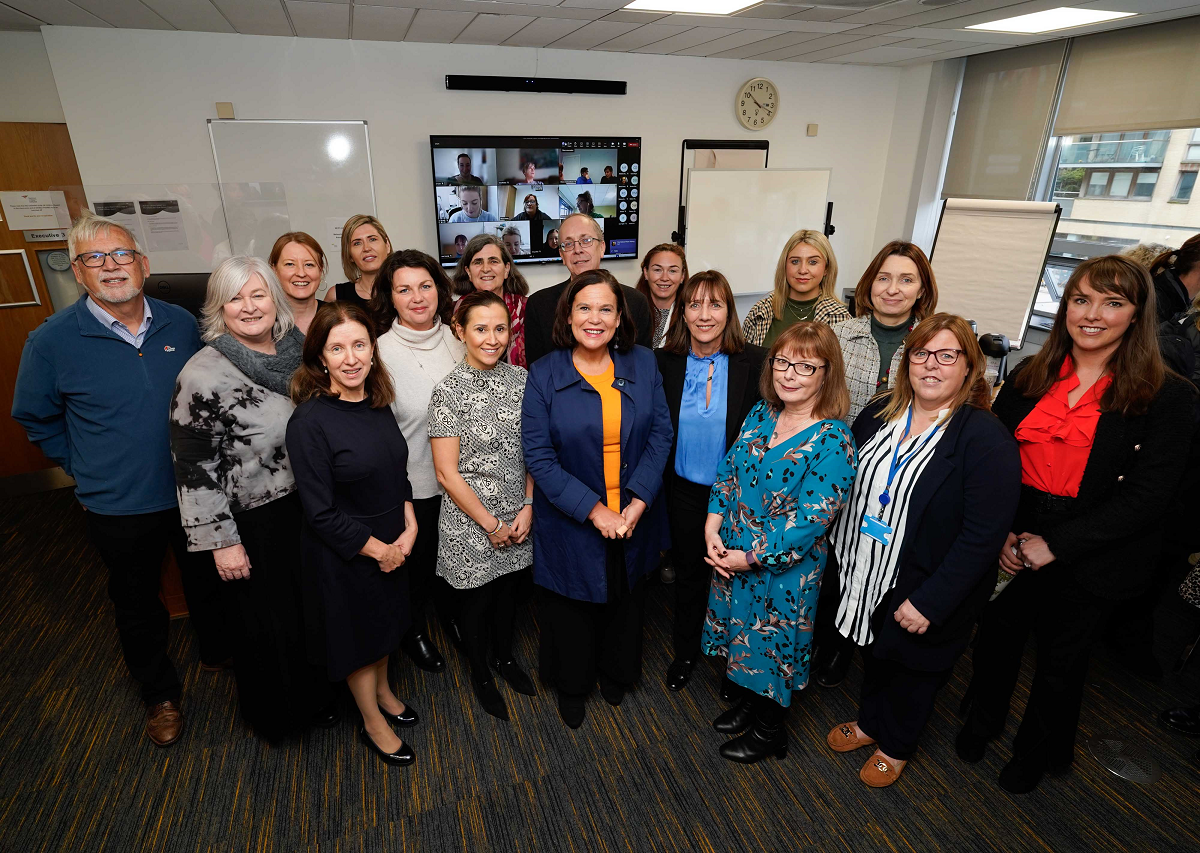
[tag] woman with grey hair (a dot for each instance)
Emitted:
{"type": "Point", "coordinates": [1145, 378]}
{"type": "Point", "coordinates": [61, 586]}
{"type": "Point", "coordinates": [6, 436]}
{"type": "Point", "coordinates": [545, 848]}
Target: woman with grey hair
{"type": "Point", "coordinates": [237, 495]}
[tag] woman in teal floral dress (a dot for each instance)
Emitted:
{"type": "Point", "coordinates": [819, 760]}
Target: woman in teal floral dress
{"type": "Point", "coordinates": [777, 491]}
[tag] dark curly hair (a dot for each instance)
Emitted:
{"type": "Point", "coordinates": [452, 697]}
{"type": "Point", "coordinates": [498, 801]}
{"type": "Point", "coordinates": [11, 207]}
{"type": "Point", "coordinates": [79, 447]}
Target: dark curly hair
{"type": "Point", "coordinates": [381, 307]}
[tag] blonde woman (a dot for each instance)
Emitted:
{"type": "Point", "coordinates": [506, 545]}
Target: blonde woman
{"type": "Point", "coordinates": [805, 278]}
{"type": "Point", "coordinates": [365, 245]}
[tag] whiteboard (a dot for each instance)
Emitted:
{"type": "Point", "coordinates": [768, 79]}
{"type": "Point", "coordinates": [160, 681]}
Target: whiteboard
{"type": "Point", "coordinates": [279, 176]}
{"type": "Point", "coordinates": [738, 220]}
{"type": "Point", "coordinates": [988, 258]}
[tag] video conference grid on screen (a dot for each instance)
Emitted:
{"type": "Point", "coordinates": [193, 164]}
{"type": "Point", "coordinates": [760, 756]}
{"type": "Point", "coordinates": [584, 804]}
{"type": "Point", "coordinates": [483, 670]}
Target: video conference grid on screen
{"type": "Point", "coordinates": [521, 188]}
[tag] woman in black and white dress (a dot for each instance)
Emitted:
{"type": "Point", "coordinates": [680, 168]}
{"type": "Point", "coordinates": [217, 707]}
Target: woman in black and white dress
{"type": "Point", "coordinates": [937, 487]}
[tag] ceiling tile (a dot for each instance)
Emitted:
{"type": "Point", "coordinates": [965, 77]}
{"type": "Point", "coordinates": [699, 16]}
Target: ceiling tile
{"type": "Point", "coordinates": [191, 15]}
{"type": "Point", "coordinates": [630, 16]}
{"type": "Point", "coordinates": [61, 13]}
{"type": "Point", "coordinates": [492, 29]}
{"type": "Point", "coordinates": [533, 8]}
{"type": "Point", "coordinates": [11, 19]}
{"type": "Point", "coordinates": [320, 20]}
{"type": "Point", "coordinates": [543, 31]}
{"type": "Point", "coordinates": [597, 32]}
{"type": "Point", "coordinates": [131, 14]}
{"type": "Point", "coordinates": [922, 44]}
{"type": "Point", "coordinates": [878, 55]}
{"type": "Point", "coordinates": [256, 17]}
{"type": "Point", "coordinates": [766, 10]}
{"type": "Point", "coordinates": [380, 23]}
{"type": "Point", "coordinates": [820, 14]}
{"type": "Point", "coordinates": [642, 36]}
{"type": "Point", "coordinates": [434, 25]}
{"type": "Point", "coordinates": [691, 38]}
{"type": "Point", "coordinates": [711, 48]}
{"type": "Point", "coordinates": [612, 5]}
{"type": "Point", "coordinates": [758, 48]}
{"type": "Point", "coordinates": [779, 26]}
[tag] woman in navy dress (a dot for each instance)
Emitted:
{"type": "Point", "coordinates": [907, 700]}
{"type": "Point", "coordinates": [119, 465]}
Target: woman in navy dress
{"type": "Point", "coordinates": [350, 462]}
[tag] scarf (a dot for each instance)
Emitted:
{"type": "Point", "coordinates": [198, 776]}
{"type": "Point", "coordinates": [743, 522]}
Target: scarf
{"type": "Point", "coordinates": [273, 372]}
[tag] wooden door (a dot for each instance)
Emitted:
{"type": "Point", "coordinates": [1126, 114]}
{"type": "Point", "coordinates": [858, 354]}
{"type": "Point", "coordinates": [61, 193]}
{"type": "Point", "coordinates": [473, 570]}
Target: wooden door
{"type": "Point", "coordinates": [33, 157]}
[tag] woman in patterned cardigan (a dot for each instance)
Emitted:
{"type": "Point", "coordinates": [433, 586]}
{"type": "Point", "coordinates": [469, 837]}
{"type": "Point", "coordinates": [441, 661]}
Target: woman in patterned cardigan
{"type": "Point", "coordinates": [805, 278]}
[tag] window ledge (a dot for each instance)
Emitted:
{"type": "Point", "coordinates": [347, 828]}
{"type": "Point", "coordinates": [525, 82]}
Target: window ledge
{"type": "Point", "coordinates": [1178, 200]}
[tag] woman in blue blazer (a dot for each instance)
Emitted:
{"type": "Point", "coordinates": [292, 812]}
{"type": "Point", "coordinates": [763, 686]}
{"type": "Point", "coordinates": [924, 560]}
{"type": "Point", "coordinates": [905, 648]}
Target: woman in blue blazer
{"type": "Point", "coordinates": [596, 435]}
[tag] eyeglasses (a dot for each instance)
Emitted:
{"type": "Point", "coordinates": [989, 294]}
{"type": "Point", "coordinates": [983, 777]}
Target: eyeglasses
{"type": "Point", "coordinates": [124, 257]}
{"type": "Point", "coordinates": [582, 242]}
{"type": "Point", "coordinates": [802, 368]}
{"type": "Point", "coordinates": [945, 357]}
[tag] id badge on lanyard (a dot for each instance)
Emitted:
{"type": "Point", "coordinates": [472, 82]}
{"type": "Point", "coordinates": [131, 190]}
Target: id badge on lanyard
{"type": "Point", "coordinates": [877, 529]}
{"type": "Point", "coordinates": [874, 526]}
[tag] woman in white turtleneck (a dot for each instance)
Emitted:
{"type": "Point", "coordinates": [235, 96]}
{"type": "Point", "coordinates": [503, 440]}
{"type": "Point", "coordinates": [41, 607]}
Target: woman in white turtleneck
{"type": "Point", "coordinates": [411, 306]}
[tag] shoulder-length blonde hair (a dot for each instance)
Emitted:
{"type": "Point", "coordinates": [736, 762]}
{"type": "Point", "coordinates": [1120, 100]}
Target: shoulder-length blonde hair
{"type": "Point", "coordinates": [711, 284]}
{"type": "Point", "coordinates": [926, 303]}
{"type": "Point", "coordinates": [353, 224]}
{"type": "Point", "coordinates": [226, 280]}
{"type": "Point", "coordinates": [828, 284]}
{"type": "Point", "coordinates": [810, 340]}
{"type": "Point", "coordinates": [974, 391]}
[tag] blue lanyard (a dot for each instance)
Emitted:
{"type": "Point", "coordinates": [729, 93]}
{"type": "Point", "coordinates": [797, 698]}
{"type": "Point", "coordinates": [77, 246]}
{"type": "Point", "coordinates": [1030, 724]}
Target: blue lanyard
{"type": "Point", "coordinates": [897, 463]}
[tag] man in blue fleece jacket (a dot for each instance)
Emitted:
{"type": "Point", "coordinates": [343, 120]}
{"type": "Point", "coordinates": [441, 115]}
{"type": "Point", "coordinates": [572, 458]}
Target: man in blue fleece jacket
{"type": "Point", "coordinates": [93, 391]}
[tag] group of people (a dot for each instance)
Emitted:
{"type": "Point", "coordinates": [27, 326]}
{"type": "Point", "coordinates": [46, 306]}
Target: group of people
{"type": "Point", "coordinates": [331, 474]}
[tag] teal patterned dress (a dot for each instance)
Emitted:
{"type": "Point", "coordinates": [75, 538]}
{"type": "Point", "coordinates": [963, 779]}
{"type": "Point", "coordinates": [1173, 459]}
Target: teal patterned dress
{"type": "Point", "coordinates": [777, 502]}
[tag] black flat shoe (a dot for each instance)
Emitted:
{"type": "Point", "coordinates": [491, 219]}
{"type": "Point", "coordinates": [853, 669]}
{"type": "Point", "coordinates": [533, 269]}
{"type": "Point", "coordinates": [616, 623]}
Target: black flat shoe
{"type": "Point", "coordinates": [328, 717]}
{"type": "Point", "coordinates": [679, 673]}
{"type": "Point", "coordinates": [489, 698]}
{"type": "Point", "coordinates": [516, 677]}
{"type": "Point", "coordinates": [572, 709]}
{"type": "Point", "coordinates": [1021, 777]}
{"type": "Point", "coordinates": [451, 629]}
{"type": "Point", "coordinates": [729, 691]}
{"type": "Point", "coordinates": [421, 651]}
{"type": "Point", "coordinates": [831, 670]}
{"type": "Point", "coordinates": [403, 755]}
{"type": "Point", "coordinates": [407, 717]}
{"type": "Point", "coordinates": [758, 743]}
{"type": "Point", "coordinates": [1186, 720]}
{"type": "Point", "coordinates": [735, 720]}
{"type": "Point", "coordinates": [612, 692]}
{"type": "Point", "coordinates": [970, 747]}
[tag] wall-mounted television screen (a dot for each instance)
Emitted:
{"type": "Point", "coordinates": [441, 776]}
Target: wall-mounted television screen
{"type": "Point", "coordinates": [520, 188]}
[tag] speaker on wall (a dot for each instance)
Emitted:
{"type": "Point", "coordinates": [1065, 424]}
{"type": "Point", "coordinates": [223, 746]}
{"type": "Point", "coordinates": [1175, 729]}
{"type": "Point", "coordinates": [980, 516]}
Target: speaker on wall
{"type": "Point", "coordinates": [560, 85]}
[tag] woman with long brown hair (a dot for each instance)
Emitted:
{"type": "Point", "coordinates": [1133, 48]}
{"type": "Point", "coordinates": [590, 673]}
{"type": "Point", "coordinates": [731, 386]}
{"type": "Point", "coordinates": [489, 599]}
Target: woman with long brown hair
{"type": "Point", "coordinates": [1176, 275]}
{"type": "Point", "coordinates": [1100, 424]}
{"type": "Point", "coordinates": [664, 269]}
{"type": "Point", "coordinates": [487, 264]}
{"type": "Point", "coordinates": [937, 485]}
{"type": "Point", "coordinates": [349, 458]}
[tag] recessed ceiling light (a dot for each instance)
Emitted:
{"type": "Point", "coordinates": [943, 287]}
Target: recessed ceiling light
{"type": "Point", "coordinates": [1062, 18]}
{"type": "Point", "coordinates": [693, 7]}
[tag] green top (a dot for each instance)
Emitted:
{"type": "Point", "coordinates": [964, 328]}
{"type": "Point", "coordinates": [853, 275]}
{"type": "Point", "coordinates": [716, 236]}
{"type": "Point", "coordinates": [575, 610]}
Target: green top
{"type": "Point", "coordinates": [794, 312]}
{"type": "Point", "coordinates": [889, 339]}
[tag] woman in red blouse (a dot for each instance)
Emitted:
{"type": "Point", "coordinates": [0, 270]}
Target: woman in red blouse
{"type": "Point", "coordinates": [1101, 425]}
{"type": "Point", "coordinates": [487, 265]}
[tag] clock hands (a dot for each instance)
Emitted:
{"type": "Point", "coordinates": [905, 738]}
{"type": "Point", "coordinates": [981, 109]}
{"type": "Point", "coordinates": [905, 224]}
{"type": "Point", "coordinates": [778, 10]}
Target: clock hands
{"type": "Point", "coordinates": [760, 106]}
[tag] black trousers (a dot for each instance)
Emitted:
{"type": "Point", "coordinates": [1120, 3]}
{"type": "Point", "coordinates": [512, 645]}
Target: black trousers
{"type": "Point", "coordinates": [1065, 620]}
{"type": "Point", "coordinates": [486, 618]}
{"type": "Point", "coordinates": [826, 637]}
{"type": "Point", "coordinates": [687, 508]}
{"type": "Point", "coordinates": [580, 639]}
{"type": "Point", "coordinates": [424, 586]}
{"type": "Point", "coordinates": [132, 548]}
{"type": "Point", "coordinates": [896, 703]}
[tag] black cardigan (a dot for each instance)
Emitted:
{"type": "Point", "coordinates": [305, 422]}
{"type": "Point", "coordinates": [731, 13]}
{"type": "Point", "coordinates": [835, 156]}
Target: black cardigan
{"type": "Point", "coordinates": [1114, 531]}
{"type": "Point", "coordinates": [744, 370]}
{"type": "Point", "coordinates": [959, 515]}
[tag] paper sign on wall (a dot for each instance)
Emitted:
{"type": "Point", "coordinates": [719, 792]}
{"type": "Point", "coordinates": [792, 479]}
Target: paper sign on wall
{"type": "Point", "coordinates": [164, 225]}
{"type": "Point", "coordinates": [125, 214]}
{"type": "Point", "coordinates": [35, 210]}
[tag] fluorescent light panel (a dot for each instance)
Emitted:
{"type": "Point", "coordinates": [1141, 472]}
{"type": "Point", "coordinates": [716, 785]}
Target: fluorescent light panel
{"type": "Point", "coordinates": [694, 7]}
{"type": "Point", "coordinates": [1062, 18]}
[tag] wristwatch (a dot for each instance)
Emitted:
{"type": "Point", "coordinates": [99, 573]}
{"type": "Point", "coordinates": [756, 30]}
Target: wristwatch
{"type": "Point", "coordinates": [529, 501]}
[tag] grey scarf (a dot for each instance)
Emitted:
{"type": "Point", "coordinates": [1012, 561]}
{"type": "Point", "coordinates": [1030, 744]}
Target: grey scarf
{"type": "Point", "coordinates": [270, 371]}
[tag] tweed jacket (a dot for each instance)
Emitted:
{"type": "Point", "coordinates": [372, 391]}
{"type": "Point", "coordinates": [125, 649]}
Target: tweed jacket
{"type": "Point", "coordinates": [758, 320]}
{"type": "Point", "coordinates": [860, 353]}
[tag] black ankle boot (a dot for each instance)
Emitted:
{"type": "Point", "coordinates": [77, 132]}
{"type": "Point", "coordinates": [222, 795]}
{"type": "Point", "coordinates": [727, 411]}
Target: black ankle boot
{"type": "Point", "coordinates": [970, 746]}
{"type": "Point", "coordinates": [833, 664]}
{"type": "Point", "coordinates": [516, 677]}
{"type": "Point", "coordinates": [572, 709]}
{"type": "Point", "coordinates": [612, 691]}
{"type": "Point", "coordinates": [767, 735]}
{"type": "Point", "coordinates": [421, 650]}
{"type": "Point", "coordinates": [1022, 775]}
{"type": "Point", "coordinates": [489, 697]}
{"type": "Point", "coordinates": [453, 631]}
{"type": "Point", "coordinates": [1186, 720]}
{"type": "Point", "coordinates": [737, 719]}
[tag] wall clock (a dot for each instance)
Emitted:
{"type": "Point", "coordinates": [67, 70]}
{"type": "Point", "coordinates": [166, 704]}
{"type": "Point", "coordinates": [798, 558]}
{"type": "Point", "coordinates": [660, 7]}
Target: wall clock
{"type": "Point", "coordinates": [756, 103]}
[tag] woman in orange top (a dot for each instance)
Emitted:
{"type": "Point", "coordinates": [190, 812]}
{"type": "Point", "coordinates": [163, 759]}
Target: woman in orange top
{"type": "Point", "coordinates": [1100, 424]}
{"type": "Point", "coordinates": [596, 433]}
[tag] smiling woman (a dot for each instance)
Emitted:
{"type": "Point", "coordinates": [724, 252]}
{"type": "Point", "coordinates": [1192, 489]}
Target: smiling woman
{"type": "Point", "coordinates": [299, 262]}
{"type": "Point", "coordinates": [487, 264]}
{"type": "Point", "coordinates": [365, 244]}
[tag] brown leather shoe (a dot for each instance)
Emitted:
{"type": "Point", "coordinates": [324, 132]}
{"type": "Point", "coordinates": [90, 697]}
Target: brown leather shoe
{"type": "Point", "coordinates": [879, 772]}
{"type": "Point", "coordinates": [843, 738]}
{"type": "Point", "coordinates": [164, 723]}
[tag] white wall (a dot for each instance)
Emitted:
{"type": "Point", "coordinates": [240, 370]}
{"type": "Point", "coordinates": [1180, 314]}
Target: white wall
{"type": "Point", "coordinates": [27, 91]}
{"type": "Point", "coordinates": [174, 78]}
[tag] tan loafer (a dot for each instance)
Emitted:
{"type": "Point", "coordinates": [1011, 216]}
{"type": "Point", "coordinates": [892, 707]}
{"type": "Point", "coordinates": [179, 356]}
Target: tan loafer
{"type": "Point", "coordinates": [164, 723]}
{"type": "Point", "coordinates": [879, 772]}
{"type": "Point", "coordinates": [843, 738]}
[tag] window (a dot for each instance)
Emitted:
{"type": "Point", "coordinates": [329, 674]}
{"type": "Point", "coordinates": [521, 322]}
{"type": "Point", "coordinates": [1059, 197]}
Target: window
{"type": "Point", "coordinates": [1144, 188]}
{"type": "Point", "coordinates": [1183, 190]}
{"type": "Point", "coordinates": [1193, 149]}
{"type": "Point", "coordinates": [1115, 184]}
{"type": "Point", "coordinates": [1098, 184]}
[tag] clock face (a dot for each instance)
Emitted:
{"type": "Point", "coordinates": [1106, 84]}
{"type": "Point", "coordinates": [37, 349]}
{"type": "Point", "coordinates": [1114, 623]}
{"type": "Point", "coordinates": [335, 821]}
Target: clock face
{"type": "Point", "coordinates": [756, 103]}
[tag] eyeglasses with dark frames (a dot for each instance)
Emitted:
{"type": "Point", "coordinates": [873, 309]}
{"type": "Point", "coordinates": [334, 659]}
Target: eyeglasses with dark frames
{"type": "Point", "coordinates": [944, 357]}
{"type": "Point", "coordinates": [584, 242]}
{"type": "Point", "coordinates": [802, 368]}
{"type": "Point", "coordinates": [124, 257]}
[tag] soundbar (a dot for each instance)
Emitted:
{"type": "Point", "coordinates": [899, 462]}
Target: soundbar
{"type": "Point", "coordinates": [561, 85]}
